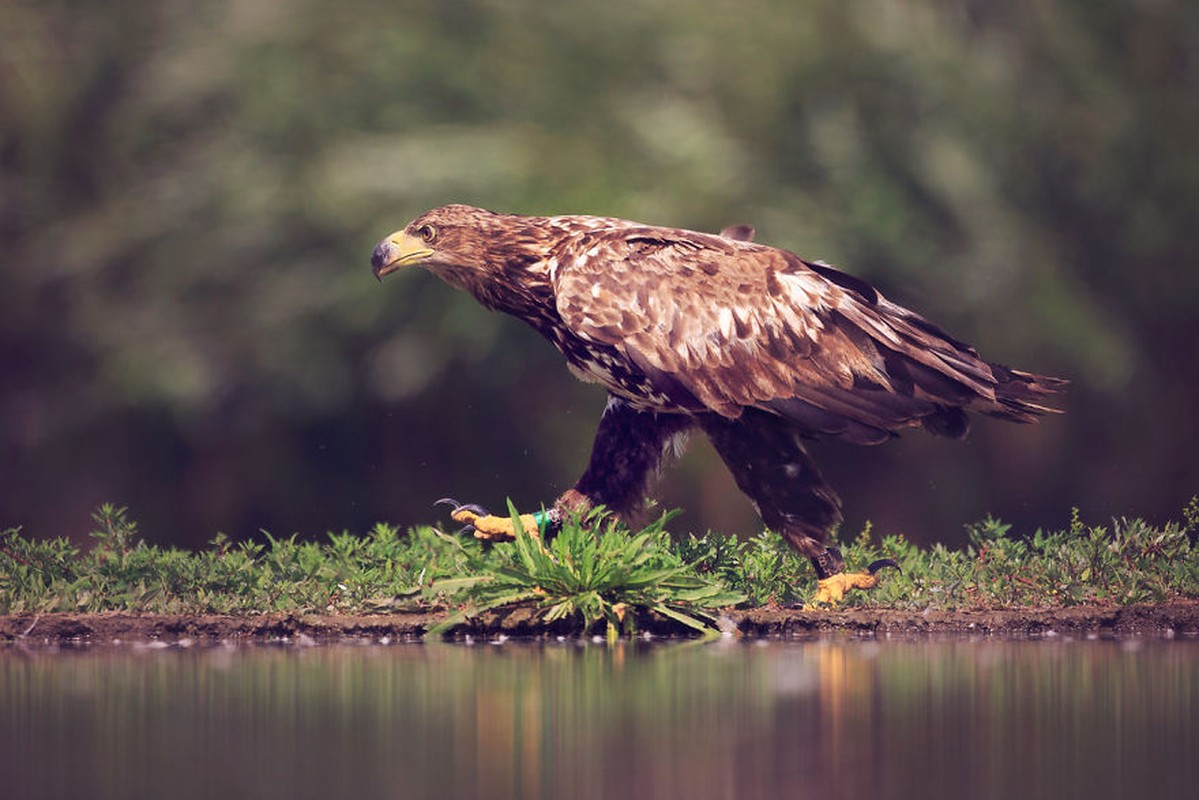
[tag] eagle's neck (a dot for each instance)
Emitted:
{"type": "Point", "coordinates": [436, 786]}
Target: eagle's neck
{"type": "Point", "coordinates": [512, 269]}
{"type": "Point", "coordinates": [520, 289]}
{"type": "Point", "coordinates": [513, 280]}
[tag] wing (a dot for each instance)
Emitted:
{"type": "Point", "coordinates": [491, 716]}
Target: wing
{"type": "Point", "coordinates": [722, 325]}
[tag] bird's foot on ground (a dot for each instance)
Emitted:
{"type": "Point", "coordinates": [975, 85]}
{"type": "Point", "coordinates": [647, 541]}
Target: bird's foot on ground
{"type": "Point", "coordinates": [487, 526]}
{"type": "Point", "coordinates": [831, 590]}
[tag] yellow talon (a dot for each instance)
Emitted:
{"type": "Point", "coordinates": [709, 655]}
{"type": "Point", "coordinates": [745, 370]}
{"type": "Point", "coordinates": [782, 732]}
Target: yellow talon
{"type": "Point", "coordinates": [832, 589]}
{"type": "Point", "coordinates": [492, 528]}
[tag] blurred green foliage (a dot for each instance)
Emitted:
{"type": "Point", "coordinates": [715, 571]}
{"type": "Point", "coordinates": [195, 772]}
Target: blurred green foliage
{"type": "Point", "coordinates": [189, 194]}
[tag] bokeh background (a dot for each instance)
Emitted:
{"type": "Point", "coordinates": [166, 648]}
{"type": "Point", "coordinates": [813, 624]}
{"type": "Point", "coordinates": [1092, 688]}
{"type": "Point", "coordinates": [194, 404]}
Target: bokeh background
{"type": "Point", "coordinates": [190, 192]}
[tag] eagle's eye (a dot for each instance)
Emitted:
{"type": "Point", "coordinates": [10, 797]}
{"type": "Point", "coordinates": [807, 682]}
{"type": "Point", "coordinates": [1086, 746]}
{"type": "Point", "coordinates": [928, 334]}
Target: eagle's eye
{"type": "Point", "coordinates": [427, 233]}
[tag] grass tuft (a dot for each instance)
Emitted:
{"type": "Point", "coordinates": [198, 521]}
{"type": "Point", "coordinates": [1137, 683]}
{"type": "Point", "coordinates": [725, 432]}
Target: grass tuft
{"type": "Point", "coordinates": [595, 570]}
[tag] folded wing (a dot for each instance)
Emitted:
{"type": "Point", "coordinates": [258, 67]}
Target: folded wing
{"type": "Point", "coordinates": [722, 324]}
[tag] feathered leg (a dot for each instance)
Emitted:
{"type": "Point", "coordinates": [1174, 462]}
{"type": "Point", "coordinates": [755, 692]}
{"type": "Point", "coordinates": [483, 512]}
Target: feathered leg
{"type": "Point", "coordinates": [769, 463]}
{"type": "Point", "coordinates": [628, 448]}
{"type": "Point", "coordinates": [629, 445]}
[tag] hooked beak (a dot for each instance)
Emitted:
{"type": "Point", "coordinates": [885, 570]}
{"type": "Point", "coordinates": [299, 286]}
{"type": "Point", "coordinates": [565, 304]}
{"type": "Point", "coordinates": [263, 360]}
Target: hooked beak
{"type": "Point", "coordinates": [398, 250]}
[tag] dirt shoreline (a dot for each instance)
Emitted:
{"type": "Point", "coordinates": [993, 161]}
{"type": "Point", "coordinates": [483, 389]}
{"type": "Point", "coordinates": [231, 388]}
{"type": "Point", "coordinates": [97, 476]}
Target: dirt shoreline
{"type": "Point", "coordinates": [1168, 620]}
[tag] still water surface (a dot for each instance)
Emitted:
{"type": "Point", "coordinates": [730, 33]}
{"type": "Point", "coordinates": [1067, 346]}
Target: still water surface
{"type": "Point", "coordinates": [819, 719]}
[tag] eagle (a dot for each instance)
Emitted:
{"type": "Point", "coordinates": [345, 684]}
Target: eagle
{"type": "Point", "coordinates": [754, 346]}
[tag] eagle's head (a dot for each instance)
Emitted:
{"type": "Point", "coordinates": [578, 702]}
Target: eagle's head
{"type": "Point", "coordinates": [498, 258]}
{"type": "Point", "coordinates": [452, 237]}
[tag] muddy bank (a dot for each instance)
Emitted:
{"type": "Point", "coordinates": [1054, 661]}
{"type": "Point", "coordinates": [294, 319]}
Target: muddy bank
{"type": "Point", "coordinates": [1180, 618]}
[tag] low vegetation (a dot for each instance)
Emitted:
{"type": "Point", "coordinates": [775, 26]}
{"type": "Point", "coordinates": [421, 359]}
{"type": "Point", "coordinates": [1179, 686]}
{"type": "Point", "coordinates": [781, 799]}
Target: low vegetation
{"type": "Point", "coordinates": [594, 571]}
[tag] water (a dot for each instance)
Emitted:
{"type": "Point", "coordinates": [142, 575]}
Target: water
{"type": "Point", "coordinates": [821, 719]}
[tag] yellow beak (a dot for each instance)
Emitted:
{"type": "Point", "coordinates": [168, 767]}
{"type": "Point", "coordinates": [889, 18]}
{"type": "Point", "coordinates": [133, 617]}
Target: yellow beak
{"type": "Point", "coordinates": [398, 250]}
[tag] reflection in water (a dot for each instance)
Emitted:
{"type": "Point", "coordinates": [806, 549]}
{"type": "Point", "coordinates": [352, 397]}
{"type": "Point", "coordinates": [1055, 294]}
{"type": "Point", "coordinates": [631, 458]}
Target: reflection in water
{"type": "Point", "coordinates": [804, 719]}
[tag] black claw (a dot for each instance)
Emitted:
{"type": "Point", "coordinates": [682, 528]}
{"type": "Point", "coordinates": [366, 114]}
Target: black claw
{"type": "Point", "coordinates": [474, 508]}
{"type": "Point", "coordinates": [456, 506]}
{"type": "Point", "coordinates": [881, 564]}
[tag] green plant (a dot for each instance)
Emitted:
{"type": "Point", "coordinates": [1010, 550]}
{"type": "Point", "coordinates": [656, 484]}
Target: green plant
{"type": "Point", "coordinates": [594, 570]}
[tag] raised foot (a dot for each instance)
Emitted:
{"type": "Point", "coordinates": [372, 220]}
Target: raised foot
{"type": "Point", "coordinates": [485, 525]}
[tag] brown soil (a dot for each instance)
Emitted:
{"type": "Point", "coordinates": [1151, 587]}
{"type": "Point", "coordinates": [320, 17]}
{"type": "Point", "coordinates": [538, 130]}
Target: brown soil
{"type": "Point", "coordinates": [1179, 618]}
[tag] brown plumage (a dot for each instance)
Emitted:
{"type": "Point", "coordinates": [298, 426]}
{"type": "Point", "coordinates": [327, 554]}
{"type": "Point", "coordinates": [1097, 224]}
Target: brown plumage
{"type": "Point", "coordinates": [752, 344]}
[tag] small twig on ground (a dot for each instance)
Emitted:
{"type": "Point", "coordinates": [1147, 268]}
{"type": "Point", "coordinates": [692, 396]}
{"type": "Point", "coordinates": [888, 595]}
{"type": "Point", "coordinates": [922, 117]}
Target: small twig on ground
{"type": "Point", "coordinates": [32, 625]}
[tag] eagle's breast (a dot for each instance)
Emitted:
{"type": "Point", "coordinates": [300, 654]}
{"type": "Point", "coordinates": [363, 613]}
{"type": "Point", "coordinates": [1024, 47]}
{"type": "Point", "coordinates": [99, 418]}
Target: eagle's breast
{"type": "Point", "coordinates": [593, 362]}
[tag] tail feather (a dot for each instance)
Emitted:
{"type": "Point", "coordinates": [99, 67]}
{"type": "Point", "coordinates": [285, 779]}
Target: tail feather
{"type": "Point", "coordinates": [1022, 396]}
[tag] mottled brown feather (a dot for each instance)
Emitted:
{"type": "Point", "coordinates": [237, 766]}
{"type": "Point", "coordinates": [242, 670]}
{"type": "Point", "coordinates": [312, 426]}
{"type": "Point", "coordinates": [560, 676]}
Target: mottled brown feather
{"type": "Point", "coordinates": [677, 320]}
